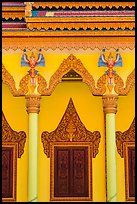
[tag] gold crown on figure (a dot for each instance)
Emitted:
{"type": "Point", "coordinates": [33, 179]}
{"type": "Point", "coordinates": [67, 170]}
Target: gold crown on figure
{"type": "Point", "coordinates": [110, 55]}
{"type": "Point", "coordinates": [32, 55]}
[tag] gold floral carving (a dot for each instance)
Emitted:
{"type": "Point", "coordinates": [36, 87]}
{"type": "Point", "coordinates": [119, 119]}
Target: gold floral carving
{"type": "Point", "coordinates": [10, 82]}
{"type": "Point", "coordinates": [23, 86]}
{"type": "Point", "coordinates": [92, 25]}
{"type": "Point", "coordinates": [11, 136]}
{"type": "Point", "coordinates": [70, 129]}
{"type": "Point", "coordinates": [125, 137]}
{"type": "Point", "coordinates": [119, 89]}
{"type": "Point", "coordinates": [83, 4]}
{"type": "Point", "coordinates": [110, 103]}
{"type": "Point", "coordinates": [73, 63]}
{"type": "Point", "coordinates": [33, 103]}
{"type": "Point", "coordinates": [67, 40]}
{"type": "Point", "coordinates": [42, 84]}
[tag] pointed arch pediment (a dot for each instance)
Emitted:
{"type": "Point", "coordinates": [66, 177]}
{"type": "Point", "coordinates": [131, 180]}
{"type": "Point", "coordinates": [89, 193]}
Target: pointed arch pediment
{"type": "Point", "coordinates": [125, 137]}
{"type": "Point", "coordinates": [72, 63]}
{"type": "Point", "coordinates": [13, 137]}
{"type": "Point", "coordinates": [70, 129]}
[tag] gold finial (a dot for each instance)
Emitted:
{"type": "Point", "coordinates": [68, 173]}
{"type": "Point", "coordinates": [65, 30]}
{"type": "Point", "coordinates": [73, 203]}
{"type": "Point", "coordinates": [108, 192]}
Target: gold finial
{"type": "Point", "coordinates": [110, 55]}
{"type": "Point", "coordinates": [32, 55]}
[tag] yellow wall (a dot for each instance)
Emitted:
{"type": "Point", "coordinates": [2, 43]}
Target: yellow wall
{"type": "Point", "coordinates": [89, 109]}
{"type": "Point", "coordinates": [52, 109]}
{"type": "Point", "coordinates": [16, 115]}
{"type": "Point", "coordinates": [53, 61]}
{"type": "Point", "coordinates": [124, 118]}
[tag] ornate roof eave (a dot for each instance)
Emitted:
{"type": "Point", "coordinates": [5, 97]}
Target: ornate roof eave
{"type": "Point", "coordinates": [81, 22]}
{"type": "Point", "coordinates": [13, 12]}
{"type": "Point", "coordinates": [98, 19]}
{"type": "Point", "coordinates": [83, 4]}
{"type": "Point", "coordinates": [68, 39]}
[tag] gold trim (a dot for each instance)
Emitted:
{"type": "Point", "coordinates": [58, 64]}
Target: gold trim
{"type": "Point", "coordinates": [46, 25]}
{"type": "Point", "coordinates": [73, 63]}
{"type": "Point", "coordinates": [110, 103]}
{"type": "Point", "coordinates": [71, 34]}
{"type": "Point", "coordinates": [15, 155]}
{"type": "Point", "coordinates": [33, 103]}
{"type": "Point", "coordinates": [93, 19]}
{"type": "Point", "coordinates": [42, 83]}
{"type": "Point", "coordinates": [13, 15]}
{"type": "Point", "coordinates": [126, 158]}
{"type": "Point", "coordinates": [8, 79]}
{"type": "Point", "coordinates": [90, 153]}
{"type": "Point", "coordinates": [11, 136]}
{"type": "Point", "coordinates": [119, 89]}
{"type": "Point", "coordinates": [124, 137]}
{"type": "Point", "coordinates": [83, 4]}
{"type": "Point", "coordinates": [16, 40]}
{"type": "Point", "coordinates": [69, 129]}
{"type": "Point", "coordinates": [12, 9]}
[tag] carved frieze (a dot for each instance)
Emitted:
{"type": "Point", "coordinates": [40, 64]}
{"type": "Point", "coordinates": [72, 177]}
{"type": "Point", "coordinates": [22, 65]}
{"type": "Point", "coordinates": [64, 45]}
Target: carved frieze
{"type": "Point", "coordinates": [33, 103]}
{"type": "Point", "coordinates": [73, 63]}
{"type": "Point", "coordinates": [83, 4]}
{"type": "Point", "coordinates": [13, 137]}
{"type": "Point", "coordinates": [8, 79]}
{"type": "Point", "coordinates": [119, 84]}
{"type": "Point", "coordinates": [70, 129]}
{"type": "Point", "coordinates": [125, 137]}
{"type": "Point", "coordinates": [110, 103]}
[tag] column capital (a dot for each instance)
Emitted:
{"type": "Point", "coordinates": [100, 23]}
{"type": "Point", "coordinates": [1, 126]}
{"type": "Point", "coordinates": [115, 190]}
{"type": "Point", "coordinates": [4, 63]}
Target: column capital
{"type": "Point", "coordinates": [33, 103]}
{"type": "Point", "coordinates": [110, 103]}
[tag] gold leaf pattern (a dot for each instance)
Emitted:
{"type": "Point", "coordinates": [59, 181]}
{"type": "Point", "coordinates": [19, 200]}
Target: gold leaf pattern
{"type": "Point", "coordinates": [127, 136]}
{"type": "Point", "coordinates": [11, 136]}
{"type": "Point", "coordinates": [69, 129]}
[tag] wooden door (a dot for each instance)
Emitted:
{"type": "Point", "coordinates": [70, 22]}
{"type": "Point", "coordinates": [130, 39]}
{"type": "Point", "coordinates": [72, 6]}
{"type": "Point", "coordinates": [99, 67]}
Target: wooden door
{"type": "Point", "coordinates": [71, 172]}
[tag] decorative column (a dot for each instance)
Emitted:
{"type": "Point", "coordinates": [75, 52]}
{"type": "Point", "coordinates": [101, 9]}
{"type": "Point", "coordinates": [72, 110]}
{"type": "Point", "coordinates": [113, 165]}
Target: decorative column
{"type": "Point", "coordinates": [110, 109]}
{"type": "Point", "coordinates": [33, 108]}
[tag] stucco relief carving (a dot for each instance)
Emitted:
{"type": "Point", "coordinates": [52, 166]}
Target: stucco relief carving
{"type": "Point", "coordinates": [70, 63]}
{"type": "Point", "coordinates": [70, 129]}
{"type": "Point", "coordinates": [33, 103]}
{"type": "Point", "coordinates": [11, 136]}
{"type": "Point", "coordinates": [119, 89]}
{"type": "Point", "coordinates": [73, 63]}
{"type": "Point", "coordinates": [42, 84]}
{"type": "Point", "coordinates": [127, 136]}
{"type": "Point", "coordinates": [80, 40]}
{"type": "Point", "coordinates": [110, 103]}
{"type": "Point", "coordinates": [8, 79]}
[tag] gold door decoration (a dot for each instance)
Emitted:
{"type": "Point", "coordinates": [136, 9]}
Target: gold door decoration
{"type": "Point", "coordinates": [124, 141]}
{"type": "Point", "coordinates": [16, 141]}
{"type": "Point", "coordinates": [70, 129]}
{"type": "Point", "coordinates": [70, 133]}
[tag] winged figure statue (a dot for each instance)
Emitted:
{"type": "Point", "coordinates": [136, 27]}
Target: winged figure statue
{"type": "Point", "coordinates": [32, 62]}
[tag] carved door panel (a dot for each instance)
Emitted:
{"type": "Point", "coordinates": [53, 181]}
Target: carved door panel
{"type": "Point", "coordinates": [131, 171]}
{"type": "Point", "coordinates": [7, 172]}
{"type": "Point", "coordinates": [71, 172]}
